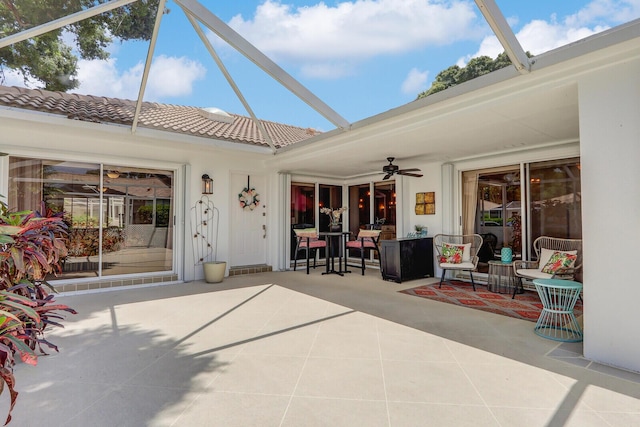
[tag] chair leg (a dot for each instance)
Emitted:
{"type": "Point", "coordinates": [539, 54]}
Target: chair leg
{"type": "Point", "coordinates": [472, 282]}
{"type": "Point", "coordinates": [515, 288]}
{"type": "Point", "coordinates": [442, 278]}
{"type": "Point", "coordinates": [307, 258]}
{"type": "Point", "coordinates": [295, 259]}
{"type": "Point", "coordinates": [380, 261]}
{"type": "Point", "coordinates": [362, 251]}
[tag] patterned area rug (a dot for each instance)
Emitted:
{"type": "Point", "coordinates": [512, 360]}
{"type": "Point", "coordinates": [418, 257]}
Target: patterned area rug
{"type": "Point", "coordinates": [526, 306]}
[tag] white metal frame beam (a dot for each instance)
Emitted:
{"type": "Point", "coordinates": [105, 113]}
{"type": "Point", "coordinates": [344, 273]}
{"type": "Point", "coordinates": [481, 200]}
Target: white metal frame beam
{"type": "Point", "coordinates": [61, 22]}
{"type": "Point", "coordinates": [503, 32]}
{"type": "Point", "coordinates": [239, 43]}
{"type": "Point", "coordinates": [147, 65]}
{"type": "Point", "coordinates": [230, 80]}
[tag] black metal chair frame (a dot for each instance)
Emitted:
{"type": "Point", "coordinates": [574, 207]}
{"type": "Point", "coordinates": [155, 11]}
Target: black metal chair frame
{"type": "Point", "coordinates": [363, 249]}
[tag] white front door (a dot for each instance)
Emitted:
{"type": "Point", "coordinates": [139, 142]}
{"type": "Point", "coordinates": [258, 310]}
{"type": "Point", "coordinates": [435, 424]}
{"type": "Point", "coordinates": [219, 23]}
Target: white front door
{"type": "Point", "coordinates": [248, 222]}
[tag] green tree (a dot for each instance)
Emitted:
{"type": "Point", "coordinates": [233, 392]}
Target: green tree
{"type": "Point", "coordinates": [476, 67]}
{"type": "Point", "coordinates": [47, 58]}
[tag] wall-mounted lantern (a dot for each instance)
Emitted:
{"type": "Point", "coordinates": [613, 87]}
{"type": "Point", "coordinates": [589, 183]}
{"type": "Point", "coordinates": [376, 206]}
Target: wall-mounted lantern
{"type": "Point", "coordinates": [207, 184]}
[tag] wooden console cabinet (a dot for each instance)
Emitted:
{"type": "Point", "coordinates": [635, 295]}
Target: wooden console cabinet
{"type": "Point", "coordinates": [407, 258]}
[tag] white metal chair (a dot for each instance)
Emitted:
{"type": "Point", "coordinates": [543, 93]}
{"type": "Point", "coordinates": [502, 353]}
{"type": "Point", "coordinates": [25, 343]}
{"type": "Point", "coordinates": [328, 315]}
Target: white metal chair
{"type": "Point", "coordinates": [545, 247]}
{"type": "Point", "coordinates": [458, 252]}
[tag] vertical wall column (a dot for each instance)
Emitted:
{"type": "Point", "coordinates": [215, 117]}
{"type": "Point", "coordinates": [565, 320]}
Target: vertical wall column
{"type": "Point", "coordinates": [609, 105]}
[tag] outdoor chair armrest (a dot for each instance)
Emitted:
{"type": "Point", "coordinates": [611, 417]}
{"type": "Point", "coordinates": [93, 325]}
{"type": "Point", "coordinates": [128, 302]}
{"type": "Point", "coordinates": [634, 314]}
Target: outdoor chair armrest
{"type": "Point", "coordinates": [520, 265]}
{"type": "Point", "coordinates": [475, 260]}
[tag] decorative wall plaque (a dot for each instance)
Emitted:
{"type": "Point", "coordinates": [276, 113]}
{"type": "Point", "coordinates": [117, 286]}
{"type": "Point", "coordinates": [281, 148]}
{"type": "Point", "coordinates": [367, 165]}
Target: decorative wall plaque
{"type": "Point", "coordinates": [426, 203]}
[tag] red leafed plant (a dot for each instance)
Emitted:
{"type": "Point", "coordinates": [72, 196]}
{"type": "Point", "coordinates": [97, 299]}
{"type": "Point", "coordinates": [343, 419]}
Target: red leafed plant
{"type": "Point", "coordinates": [31, 247]}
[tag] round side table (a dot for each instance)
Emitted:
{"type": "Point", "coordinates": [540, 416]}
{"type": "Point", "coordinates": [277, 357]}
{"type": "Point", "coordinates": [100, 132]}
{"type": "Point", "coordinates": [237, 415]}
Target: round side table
{"type": "Point", "coordinates": [557, 321]}
{"type": "Point", "coordinates": [501, 278]}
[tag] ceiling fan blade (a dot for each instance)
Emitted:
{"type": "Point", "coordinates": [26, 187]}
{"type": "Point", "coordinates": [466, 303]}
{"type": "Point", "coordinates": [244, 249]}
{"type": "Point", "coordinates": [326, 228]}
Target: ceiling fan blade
{"type": "Point", "coordinates": [409, 170]}
{"type": "Point", "coordinates": [387, 176]}
{"type": "Point", "coordinates": [417, 175]}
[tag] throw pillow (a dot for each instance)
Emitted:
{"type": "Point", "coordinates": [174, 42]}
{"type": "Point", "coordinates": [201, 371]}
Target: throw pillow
{"type": "Point", "coordinates": [545, 256]}
{"type": "Point", "coordinates": [559, 260]}
{"type": "Point", "coordinates": [451, 254]}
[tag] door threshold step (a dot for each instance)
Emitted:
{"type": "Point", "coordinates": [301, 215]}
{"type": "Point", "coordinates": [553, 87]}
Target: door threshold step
{"type": "Point", "coordinates": [249, 269]}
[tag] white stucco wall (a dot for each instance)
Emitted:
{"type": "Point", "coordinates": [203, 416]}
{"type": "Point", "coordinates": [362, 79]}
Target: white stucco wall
{"type": "Point", "coordinates": [610, 149]}
{"type": "Point", "coordinates": [430, 181]}
{"type": "Point", "coordinates": [60, 139]}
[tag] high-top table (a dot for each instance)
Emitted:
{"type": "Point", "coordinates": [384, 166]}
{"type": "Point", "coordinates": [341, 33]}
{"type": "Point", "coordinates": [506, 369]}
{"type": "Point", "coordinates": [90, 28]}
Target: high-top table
{"type": "Point", "coordinates": [557, 321]}
{"type": "Point", "coordinates": [333, 237]}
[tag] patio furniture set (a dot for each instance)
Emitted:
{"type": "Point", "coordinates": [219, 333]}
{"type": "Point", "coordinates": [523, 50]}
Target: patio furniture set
{"type": "Point", "coordinates": [553, 275]}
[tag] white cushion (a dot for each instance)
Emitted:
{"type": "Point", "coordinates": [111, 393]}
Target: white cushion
{"type": "Point", "coordinates": [545, 256]}
{"type": "Point", "coordinates": [466, 252]}
{"type": "Point", "coordinates": [461, 266]}
{"type": "Point", "coordinates": [533, 273]}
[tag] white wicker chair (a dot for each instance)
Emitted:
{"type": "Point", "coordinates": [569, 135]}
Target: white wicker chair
{"type": "Point", "coordinates": [470, 255]}
{"type": "Point", "coordinates": [544, 246]}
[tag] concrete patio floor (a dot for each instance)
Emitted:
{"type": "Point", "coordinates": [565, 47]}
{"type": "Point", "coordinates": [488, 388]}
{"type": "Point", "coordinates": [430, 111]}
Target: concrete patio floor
{"type": "Point", "coordinates": [290, 349]}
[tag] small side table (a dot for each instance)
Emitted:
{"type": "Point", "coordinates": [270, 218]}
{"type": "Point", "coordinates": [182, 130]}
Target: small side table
{"type": "Point", "coordinates": [502, 278]}
{"type": "Point", "coordinates": [557, 321]}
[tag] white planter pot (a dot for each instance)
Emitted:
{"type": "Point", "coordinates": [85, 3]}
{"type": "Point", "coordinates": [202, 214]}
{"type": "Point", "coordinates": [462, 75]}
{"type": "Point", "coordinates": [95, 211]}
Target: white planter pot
{"type": "Point", "coordinates": [214, 271]}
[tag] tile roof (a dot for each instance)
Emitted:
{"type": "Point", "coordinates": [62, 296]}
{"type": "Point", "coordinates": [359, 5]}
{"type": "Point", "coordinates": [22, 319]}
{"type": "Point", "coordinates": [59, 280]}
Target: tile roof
{"type": "Point", "coordinates": [170, 118]}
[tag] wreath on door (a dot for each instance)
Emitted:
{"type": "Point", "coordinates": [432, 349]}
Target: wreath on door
{"type": "Point", "coordinates": [249, 199]}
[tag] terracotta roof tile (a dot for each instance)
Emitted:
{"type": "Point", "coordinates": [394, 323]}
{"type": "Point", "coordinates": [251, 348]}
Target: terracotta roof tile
{"type": "Point", "coordinates": [171, 118]}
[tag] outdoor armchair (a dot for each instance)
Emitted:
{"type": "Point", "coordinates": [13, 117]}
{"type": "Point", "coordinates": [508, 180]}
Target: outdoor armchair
{"type": "Point", "coordinates": [556, 258]}
{"type": "Point", "coordinates": [457, 252]}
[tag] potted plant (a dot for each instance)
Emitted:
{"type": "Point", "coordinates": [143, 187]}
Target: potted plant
{"type": "Point", "coordinates": [335, 217]}
{"type": "Point", "coordinates": [421, 230]}
{"type": "Point", "coordinates": [32, 246]}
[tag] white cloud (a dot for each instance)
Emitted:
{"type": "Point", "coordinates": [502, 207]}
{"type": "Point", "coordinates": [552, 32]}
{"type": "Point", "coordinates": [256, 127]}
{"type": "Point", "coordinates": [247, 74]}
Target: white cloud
{"type": "Point", "coordinates": [13, 78]}
{"type": "Point", "coordinates": [415, 82]}
{"type": "Point", "coordinates": [169, 77]}
{"type": "Point", "coordinates": [350, 32]}
{"type": "Point", "coordinates": [539, 36]}
{"type": "Point", "coordinates": [173, 77]}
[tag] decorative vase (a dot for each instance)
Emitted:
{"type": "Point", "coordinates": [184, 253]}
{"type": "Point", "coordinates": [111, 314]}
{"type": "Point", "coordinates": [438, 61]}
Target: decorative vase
{"type": "Point", "coordinates": [214, 271]}
{"type": "Point", "coordinates": [506, 254]}
{"type": "Point", "coordinates": [335, 227]}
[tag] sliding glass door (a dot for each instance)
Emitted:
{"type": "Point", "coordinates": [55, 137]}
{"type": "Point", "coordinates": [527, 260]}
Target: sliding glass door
{"type": "Point", "coordinates": [119, 218]}
{"type": "Point", "coordinates": [493, 201]}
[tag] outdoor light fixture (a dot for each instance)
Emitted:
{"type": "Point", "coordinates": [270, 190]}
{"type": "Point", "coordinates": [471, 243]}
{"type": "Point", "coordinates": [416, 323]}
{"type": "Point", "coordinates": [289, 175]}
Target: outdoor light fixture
{"type": "Point", "coordinates": [207, 184]}
{"type": "Point", "coordinates": [113, 174]}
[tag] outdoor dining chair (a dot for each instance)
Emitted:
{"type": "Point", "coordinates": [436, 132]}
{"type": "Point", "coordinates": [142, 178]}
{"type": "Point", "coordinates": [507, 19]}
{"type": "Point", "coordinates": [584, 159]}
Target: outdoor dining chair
{"type": "Point", "coordinates": [307, 239]}
{"type": "Point", "coordinates": [366, 240]}
{"type": "Point", "coordinates": [457, 252]}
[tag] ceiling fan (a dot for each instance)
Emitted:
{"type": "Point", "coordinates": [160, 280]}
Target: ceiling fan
{"type": "Point", "coordinates": [392, 169]}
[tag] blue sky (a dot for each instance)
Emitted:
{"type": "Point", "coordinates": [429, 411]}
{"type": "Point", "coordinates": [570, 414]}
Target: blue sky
{"type": "Point", "coordinates": [361, 57]}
